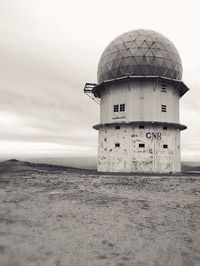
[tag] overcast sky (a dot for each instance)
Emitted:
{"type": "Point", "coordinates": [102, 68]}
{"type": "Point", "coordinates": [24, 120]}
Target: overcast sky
{"type": "Point", "coordinates": [50, 48]}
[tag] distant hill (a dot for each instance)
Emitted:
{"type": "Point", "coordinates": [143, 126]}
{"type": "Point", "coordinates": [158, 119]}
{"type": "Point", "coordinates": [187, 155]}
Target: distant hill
{"type": "Point", "coordinates": [86, 162]}
{"type": "Point", "coordinates": [14, 165]}
{"type": "Point", "coordinates": [187, 166]}
{"type": "Point", "coordinates": [66, 164]}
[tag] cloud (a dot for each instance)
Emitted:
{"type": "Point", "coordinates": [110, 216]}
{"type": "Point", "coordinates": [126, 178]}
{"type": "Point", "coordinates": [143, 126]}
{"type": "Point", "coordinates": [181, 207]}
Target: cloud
{"type": "Point", "coordinates": [44, 151]}
{"type": "Point", "coordinates": [49, 49]}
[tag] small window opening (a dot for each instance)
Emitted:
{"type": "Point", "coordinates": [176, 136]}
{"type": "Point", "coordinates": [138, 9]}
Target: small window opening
{"type": "Point", "coordinates": [141, 145]}
{"type": "Point", "coordinates": [116, 108]}
{"type": "Point", "coordinates": [163, 108]}
{"type": "Point", "coordinates": [117, 127]}
{"type": "Point", "coordinates": [164, 88]}
{"type": "Point", "coordinates": [141, 126]}
{"type": "Point", "coordinates": [165, 146]}
{"type": "Point", "coordinates": [122, 107]}
{"type": "Point", "coordinates": [164, 127]}
{"type": "Point", "coordinates": [117, 144]}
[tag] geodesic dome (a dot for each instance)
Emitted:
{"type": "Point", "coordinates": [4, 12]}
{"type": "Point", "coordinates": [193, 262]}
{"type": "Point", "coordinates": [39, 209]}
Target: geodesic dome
{"type": "Point", "coordinates": [140, 53]}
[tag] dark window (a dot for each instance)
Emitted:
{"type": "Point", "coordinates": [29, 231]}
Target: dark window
{"type": "Point", "coordinates": [163, 88]}
{"type": "Point", "coordinates": [141, 126]}
{"type": "Point", "coordinates": [141, 145]}
{"type": "Point", "coordinates": [122, 107]}
{"type": "Point", "coordinates": [165, 146]}
{"type": "Point", "coordinates": [117, 144]}
{"type": "Point", "coordinates": [163, 108]}
{"type": "Point", "coordinates": [116, 108]}
{"type": "Point", "coordinates": [164, 127]}
{"type": "Point", "coordinates": [117, 127]}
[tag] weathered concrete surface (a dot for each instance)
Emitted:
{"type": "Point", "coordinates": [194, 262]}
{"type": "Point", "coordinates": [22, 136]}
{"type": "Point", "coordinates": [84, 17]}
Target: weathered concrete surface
{"type": "Point", "coordinates": [67, 217]}
{"type": "Point", "coordinates": [129, 157]}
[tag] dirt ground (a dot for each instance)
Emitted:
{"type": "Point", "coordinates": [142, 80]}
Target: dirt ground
{"type": "Point", "coordinates": [68, 217]}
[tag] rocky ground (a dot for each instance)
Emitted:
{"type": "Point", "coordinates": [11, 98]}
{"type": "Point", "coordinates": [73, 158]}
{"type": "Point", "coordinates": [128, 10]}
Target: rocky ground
{"type": "Point", "coordinates": [64, 216]}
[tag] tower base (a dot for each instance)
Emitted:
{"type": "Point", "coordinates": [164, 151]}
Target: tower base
{"type": "Point", "coordinates": [139, 148]}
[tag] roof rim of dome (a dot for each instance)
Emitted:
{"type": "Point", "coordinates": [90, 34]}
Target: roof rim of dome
{"type": "Point", "coordinates": [180, 85]}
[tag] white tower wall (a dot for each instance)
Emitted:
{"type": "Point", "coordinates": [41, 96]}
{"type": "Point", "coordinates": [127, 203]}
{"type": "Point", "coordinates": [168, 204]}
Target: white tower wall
{"type": "Point", "coordinates": [142, 99]}
{"type": "Point", "coordinates": [126, 147]}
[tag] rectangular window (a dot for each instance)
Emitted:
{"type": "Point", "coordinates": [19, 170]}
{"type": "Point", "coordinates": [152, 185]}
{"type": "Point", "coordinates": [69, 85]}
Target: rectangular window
{"type": "Point", "coordinates": [164, 127]}
{"type": "Point", "coordinates": [141, 145]}
{"type": "Point", "coordinates": [117, 144]}
{"type": "Point", "coordinates": [117, 127]}
{"type": "Point", "coordinates": [163, 88]}
{"type": "Point", "coordinates": [163, 108]}
{"type": "Point", "coordinates": [122, 107]}
{"type": "Point", "coordinates": [141, 126]}
{"type": "Point", "coordinates": [165, 146]}
{"type": "Point", "coordinates": [116, 108]}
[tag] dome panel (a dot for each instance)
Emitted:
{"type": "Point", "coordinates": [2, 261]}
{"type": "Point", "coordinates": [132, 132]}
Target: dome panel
{"type": "Point", "coordinates": [139, 53]}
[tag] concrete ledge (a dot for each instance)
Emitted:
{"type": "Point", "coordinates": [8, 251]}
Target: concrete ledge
{"type": "Point", "coordinates": [136, 123]}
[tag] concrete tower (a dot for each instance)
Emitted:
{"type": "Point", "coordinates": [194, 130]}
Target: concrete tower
{"type": "Point", "coordinates": [139, 87]}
